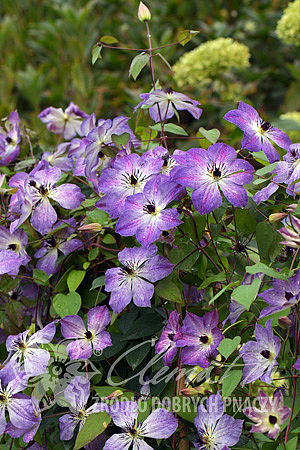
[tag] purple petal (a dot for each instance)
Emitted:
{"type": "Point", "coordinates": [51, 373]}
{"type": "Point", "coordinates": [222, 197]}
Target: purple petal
{"type": "Point", "coordinates": [207, 198]}
{"type": "Point", "coordinates": [98, 318]}
{"type": "Point", "coordinates": [80, 349]}
{"type": "Point", "coordinates": [68, 195]}
{"type": "Point", "coordinates": [161, 424]}
{"type": "Point", "coordinates": [72, 327]}
{"type": "Point", "coordinates": [43, 216]}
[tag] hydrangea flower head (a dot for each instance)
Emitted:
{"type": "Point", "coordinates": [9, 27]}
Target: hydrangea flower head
{"type": "Point", "coordinates": [10, 139]}
{"type": "Point", "coordinates": [257, 132]}
{"type": "Point", "coordinates": [141, 268]}
{"type": "Point", "coordinates": [87, 339]}
{"type": "Point", "coordinates": [216, 430]}
{"type": "Point", "coordinates": [200, 337]}
{"type": "Point", "coordinates": [270, 416]}
{"type": "Point", "coordinates": [162, 104]}
{"type": "Point", "coordinates": [166, 343]}
{"type": "Point", "coordinates": [145, 214]}
{"type": "Point", "coordinates": [160, 424]}
{"type": "Point", "coordinates": [210, 171]}
{"type": "Point", "coordinates": [260, 356]}
{"type": "Point", "coordinates": [67, 123]}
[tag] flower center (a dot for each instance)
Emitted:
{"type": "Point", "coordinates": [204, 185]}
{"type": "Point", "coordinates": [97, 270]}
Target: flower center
{"type": "Point", "coordinates": [88, 335]}
{"type": "Point", "coordinates": [205, 440]}
{"type": "Point", "coordinates": [272, 419]}
{"type": "Point", "coordinates": [216, 173]}
{"type": "Point", "coordinates": [150, 208]}
{"type": "Point", "coordinates": [265, 126]}
{"type": "Point", "coordinates": [133, 180]}
{"type": "Point", "coordinates": [204, 339]}
{"type": "Point", "coordinates": [165, 233]}
{"type": "Point", "coordinates": [12, 247]}
{"type": "Point", "coordinates": [171, 336]}
{"type": "Point", "coordinates": [42, 190]}
{"type": "Point", "coordinates": [266, 354]}
{"type": "Point", "coordinates": [52, 241]}
{"type": "Point", "coordinates": [32, 183]}
{"type": "Point", "coordinates": [100, 154]}
{"type": "Point", "coordinates": [132, 431]}
{"type": "Point", "coordinates": [288, 295]}
{"type": "Point", "coordinates": [8, 139]}
{"type": "Point", "coordinates": [3, 398]}
{"type": "Point", "coordinates": [129, 270]}
{"type": "Point", "coordinates": [21, 345]}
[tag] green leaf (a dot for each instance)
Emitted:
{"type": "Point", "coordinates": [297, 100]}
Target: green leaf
{"type": "Point", "coordinates": [165, 61]}
{"type": "Point", "coordinates": [297, 211]}
{"type": "Point", "coordinates": [211, 135]}
{"type": "Point", "coordinates": [170, 128]}
{"type": "Point", "coordinates": [227, 346]}
{"type": "Point", "coordinates": [245, 223]}
{"type": "Point", "coordinates": [266, 169]}
{"type": "Point", "coordinates": [137, 64]}
{"type": "Point", "coordinates": [262, 268]}
{"type": "Point", "coordinates": [168, 290]}
{"type": "Point", "coordinates": [93, 254]}
{"type": "Point", "coordinates": [268, 241]}
{"type": "Point", "coordinates": [67, 305]}
{"type": "Point", "coordinates": [94, 425]}
{"type": "Point", "coordinates": [97, 282]}
{"type": "Point", "coordinates": [74, 279]}
{"type": "Point", "coordinates": [213, 279]}
{"type": "Point", "coordinates": [97, 216]}
{"type": "Point", "coordinates": [137, 353]}
{"type": "Point", "coordinates": [146, 325]}
{"type": "Point", "coordinates": [120, 139]}
{"type": "Point", "coordinates": [185, 36]}
{"type": "Point", "coordinates": [109, 40]}
{"type": "Point", "coordinates": [7, 283]}
{"type": "Point", "coordinates": [221, 292]}
{"type": "Point", "coordinates": [178, 254]}
{"type": "Point", "coordinates": [40, 277]}
{"type": "Point", "coordinates": [247, 293]}
{"type": "Point", "coordinates": [231, 381]}
{"type": "Point", "coordinates": [96, 53]}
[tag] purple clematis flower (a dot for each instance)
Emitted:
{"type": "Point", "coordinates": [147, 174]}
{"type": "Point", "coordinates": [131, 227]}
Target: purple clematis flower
{"type": "Point", "coordinates": [166, 343]}
{"type": "Point", "coordinates": [141, 268]}
{"type": "Point", "coordinates": [257, 132]}
{"type": "Point", "coordinates": [200, 337]}
{"type": "Point", "coordinates": [145, 214]}
{"type": "Point", "coordinates": [260, 356]}
{"type": "Point", "coordinates": [59, 158]}
{"type": "Point", "coordinates": [283, 295]}
{"type": "Point", "coordinates": [13, 242]}
{"type": "Point", "coordinates": [25, 354]}
{"type": "Point", "coordinates": [66, 123]}
{"type": "Point", "coordinates": [162, 104]}
{"type": "Point", "coordinates": [101, 137]}
{"type": "Point", "coordinates": [19, 406]}
{"type": "Point", "coordinates": [127, 177]}
{"type": "Point", "coordinates": [77, 394]}
{"type": "Point", "coordinates": [212, 170]}
{"type": "Point", "coordinates": [10, 139]}
{"type": "Point", "coordinates": [29, 433]}
{"type": "Point", "coordinates": [287, 172]}
{"type": "Point", "coordinates": [48, 253]}
{"type": "Point", "coordinates": [270, 416]}
{"type": "Point", "coordinates": [160, 424]}
{"type": "Point", "coordinates": [216, 430]}
{"type": "Point", "coordinates": [87, 339]}
{"type": "Point", "coordinates": [291, 233]}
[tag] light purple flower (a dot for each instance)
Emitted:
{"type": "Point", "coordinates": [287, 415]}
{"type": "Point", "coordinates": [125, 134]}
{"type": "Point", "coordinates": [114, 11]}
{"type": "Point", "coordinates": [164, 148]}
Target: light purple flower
{"type": "Point", "coordinates": [10, 262]}
{"type": "Point", "coordinates": [77, 394]}
{"type": "Point", "coordinates": [13, 242]}
{"type": "Point", "coordinates": [141, 268]}
{"type": "Point", "coordinates": [128, 176]}
{"type": "Point", "coordinates": [67, 123]}
{"type": "Point", "coordinates": [212, 170]}
{"type": "Point", "coordinates": [291, 233]}
{"type": "Point", "coordinates": [166, 343]}
{"type": "Point", "coordinates": [297, 364]}
{"type": "Point", "coordinates": [19, 406]}
{"type": "Point", "coordinates": [87, 339]}
{"type": "Point", "coordinates": [10, 139]}
{"type": "Point", "coordinates": [200, 337]}
{"type": "Point", "coordinates": [29, 433]}
{"type": "Point", "coordinates": [145, 214]}
{"type": "Point", "coordinates": [48, 252]}
{"type": "Point", "coordinates": [216, 430]}
{"type": "Point", "coordinates": [25, 353]}
{"type": "Point", "coordinates": [270, 416]}
{"type": "Point", "coordinates": [257, 132]}
{"type": "Point", "coordinates": [59, 158]}
{"type": "Point", "coordinates": [160, 424]}
{"type": "Point", "coordinates": [260, 356]}
{"type": "Point", "coordinates": [283, 295]}
{"type": "Point", "coordinates": [164, 103]}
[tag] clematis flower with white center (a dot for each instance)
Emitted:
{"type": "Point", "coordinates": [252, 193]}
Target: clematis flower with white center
{"type": "Point", "coordinates": [67, 123]}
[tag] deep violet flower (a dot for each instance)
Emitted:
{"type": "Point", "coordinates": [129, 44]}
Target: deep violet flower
{"type": "Point", "coordinates": [270, 416]}
{"type": "Point", "coordinates": [200, 337]}
{"type": "Point", "coordinates": [25, 354]}
{"type": "Point", "coordinates": [13, 242]}
{"type": "Point", "coordinates": [257, 132]}
{"type": "Point", "coordinates": [87, 339]}
{"type": "Point", "coordinates": [59, 241]}
{"type": "Point", "coordinates": [10, 139]}
{"type": "Point", "coordinates": [160, 424]}
{"type": "Point", "coordinates": [141, 268]}
{"type": "Point", "coordinates": [28, 434]}
{"type": "Point", "coordinates": [283, 295]}
{"type": "Point", "coordinates": [77, 394]}
{"type": "Point", "coordinates": [166, 343]}
{"type": "Point", "coordinates": [212, 170]}
{"type": "Point", "coordinates": [164, 103]}
{"type": "Point", "coordinates": [66, 123]}
{"type": "Point", "coordinates": [260, 356]}
{"type": "Point", "coordinates": [145, 214]}
{"type": "Point", "coordinates": [216, 430]}
{"type": "Point", "coordinates": [19, 406]}
{"type": "Point", "coordinates": [128, 176]}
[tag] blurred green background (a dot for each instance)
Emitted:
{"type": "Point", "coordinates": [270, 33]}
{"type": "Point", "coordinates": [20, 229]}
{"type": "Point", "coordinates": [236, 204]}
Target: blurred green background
{"type": "Point", "coordinates": [45, 52]}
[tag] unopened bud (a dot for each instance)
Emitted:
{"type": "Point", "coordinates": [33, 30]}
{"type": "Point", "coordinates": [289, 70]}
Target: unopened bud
{"type": "Point", "coordinates": [114, 395]}
{"type": "Point", "coordinates": [91, 227]}
{"type": "Point", "coordinates": [143, 12]}
{"type": "Point", "coordinates": [284, 322]}
{"type": "Point", "coordinates": [189, 392]}
{"type": "Point", "coordinates": [277, 216]}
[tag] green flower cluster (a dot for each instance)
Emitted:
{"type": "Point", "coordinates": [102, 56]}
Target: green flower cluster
{"type": "Point", "coordinates": [288, 27]}
{"type": "Point", "coordinates": [210, 61]}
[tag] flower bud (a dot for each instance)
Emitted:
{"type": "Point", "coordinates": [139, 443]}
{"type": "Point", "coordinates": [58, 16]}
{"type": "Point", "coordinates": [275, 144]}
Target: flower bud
{"type": "Point", "coordinates": [143, 12]}
{"type": "Point", "coordinates": [114, 395]}
{"type": "Point", "coordinates": [277, 216]}
{"type": "Point", "coordinates": [91, 227]}
{"type": "Point", "coordinates": [284, 322]}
